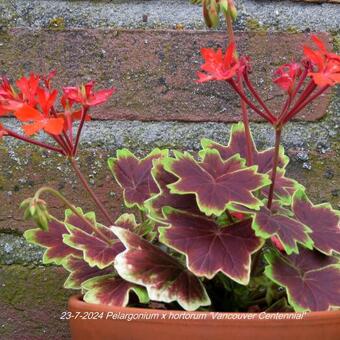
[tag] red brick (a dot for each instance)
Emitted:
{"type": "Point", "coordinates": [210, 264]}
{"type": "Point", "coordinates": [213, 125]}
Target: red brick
{"type": "Point", "coordinates": [154, 71]}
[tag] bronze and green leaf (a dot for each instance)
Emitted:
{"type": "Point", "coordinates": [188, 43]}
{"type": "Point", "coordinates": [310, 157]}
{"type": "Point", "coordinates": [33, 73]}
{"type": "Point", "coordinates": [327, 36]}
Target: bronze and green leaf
{"type": "Point", "coordinates": [97, 250]}
{"type": "Point", "coordinates": [112, 290]}
{"type": "Point", "coordinates": [80, 271]}
{"type": "Point", "coordinates": [310, 278]}
{"type": "Point", "coordinates": [134, 175]}
{"type": "Point", "coordinates": [165, 278]}
{"type": "Point", "coordinates": [210, 248]}
{"type": "Point", "coordinates": [322, 220]}
{"type": "Point", "coordinates": [238, 145]}
{"type": "Point", "coordinates": [57, 251]}
{"type": "Point", "coordinates": [289, 230]}
{"type": "Point", "coordinates": [165, 198]}
{"type": "Point", "coordinates": [216, 183]}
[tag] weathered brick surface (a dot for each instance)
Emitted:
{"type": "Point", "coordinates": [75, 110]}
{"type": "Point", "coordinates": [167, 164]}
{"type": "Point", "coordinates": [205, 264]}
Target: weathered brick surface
{"type": "Point", "coordinates": [37, 170]}
{"type": "Point", "coordinates": [23, 170]}
{"type": "Point", "coordinates": [154, 71]}
{"type": "Point", "coordinates": [31, 302]}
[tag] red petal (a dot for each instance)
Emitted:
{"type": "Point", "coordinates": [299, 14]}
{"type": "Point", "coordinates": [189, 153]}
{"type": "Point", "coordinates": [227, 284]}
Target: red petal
{"type": "Point", "coordinates": [100, 97]}
{"type": "Point", "coordinates": [208, 53]}
{"type": "Point", "coordinates": [31, 129]}
{"type": "Point", "coordinates": [9, 105]}
{"type": "Point", "coordinates": [27, 113]}
{"type": "Point", "coordinates": [314, 57]}
{"type": "Point", "coordinates": [77, 116]}
{"type": "Point", "coordinates": [318, 42]}
{"type": "Point", "coordinates": [202, 77]}
{"type": "Point", "coordinates": [73, 94]}
{"type": "Point", "coordinates": [54, 126]}
{"type": "Point", "coordinates": [3, 132]}
{"type": "Point", "coordinates": [229, 54]}
{"type": "Point", "coordinates": [321, 79]}
{"type": "Point", "coordinates": [335, 78]}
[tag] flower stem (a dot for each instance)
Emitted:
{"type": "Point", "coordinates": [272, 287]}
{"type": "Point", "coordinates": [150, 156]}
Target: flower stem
{"type": "Point", "coordinates": [255, 94]}
{"type": "Point", "coordinates": [35, 142]}
{"type": "Point", "coordinates": [275, 165]}
{"type": "Point", "coordinates": [305, 103]}
{"type": "Point", "coordinates": [285, 107]}
{"type": "Point", "coordinates": [73, 209]}
{"type": "Point", "coordinates": [63, 140]}
{"type": "Point", "coordinates": [308, 90]}
{"type": "Point", "coordinates": [271, 118]}
{"type": "Point", "coordinates": [301, 81]}
{"type": "Point", "coordinates": [80, 128]}
{"type": "Point", "coordinates": [245, 116]}
{"type": "Point", "coordinates": [90, 191]}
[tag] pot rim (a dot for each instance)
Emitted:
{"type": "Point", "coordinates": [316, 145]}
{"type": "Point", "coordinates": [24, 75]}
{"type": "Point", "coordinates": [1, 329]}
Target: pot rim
{"type": "Point", "coordinates": [78, 303]}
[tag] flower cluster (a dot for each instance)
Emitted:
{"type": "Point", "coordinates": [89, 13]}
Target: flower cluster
{"type": "Point", "coordinates": [320, 66]}
{"type": "Point", "coordinates": [33, 103]}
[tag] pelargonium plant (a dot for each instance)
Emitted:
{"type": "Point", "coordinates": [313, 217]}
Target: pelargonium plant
{"type": "Point", "coordinates": [223, 230]}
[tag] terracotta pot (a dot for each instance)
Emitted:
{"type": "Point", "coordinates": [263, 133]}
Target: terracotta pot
{"type": "Point", "coordinates": [101, 322]}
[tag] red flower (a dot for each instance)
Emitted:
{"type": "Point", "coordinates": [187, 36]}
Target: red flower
{"type": "Point", "coordinates": [46, 99]}
{"type": "Point", "coordinates": [26, 113]}
{"type": "Point", "coordinates": [237, 215]}
{"type": "Point", "coordinates": [218, 66]}
{"type": "Point", "coordinates": [287, 75]}
{"type": "Point", "coordinates": [3, 132]}
{"type": "Point", "coordinates": [9, 100]}
{"type": "Point", "coordinates": [47, 78]}
{"type": "Point", "coordinates": [29, 87]}
{"type": "Point", "coordinates": [327, 64]}
{"type": "Point", "coordinates": [85, 95]}
{"type": "Point", "coordinates": [277, 243]}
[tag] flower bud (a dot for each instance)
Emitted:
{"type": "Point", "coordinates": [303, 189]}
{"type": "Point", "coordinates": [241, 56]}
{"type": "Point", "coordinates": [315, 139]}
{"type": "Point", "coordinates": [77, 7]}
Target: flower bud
{"type": "Point", "coordinates": [211, 11]}
{"type": "Point", "coordinates": [36, 209]}
{"type": "Point", "coordinates": [224, 5]}
{"type": "Point", "coordinates": [232, 10]}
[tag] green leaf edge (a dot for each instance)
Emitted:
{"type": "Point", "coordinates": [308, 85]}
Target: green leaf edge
{"type": "Point", "coordinates": [269, 273]}
{"type": "Point", "coordinates": [121, 153]}
{"type": "Point", "coordinates": [164, 240]}
{"type": "Point", "coordinates": [289, 250]}
{"type": "Point", "coordinates": [168, 167]}
{"type": "Point", "coordinates": [301, 194]}
{"type": "Point", "coordinates": [119, 232]}
{"type": "Point", "coordinates": [90, 298]}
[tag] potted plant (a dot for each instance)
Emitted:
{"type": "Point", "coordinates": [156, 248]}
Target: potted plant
{"type": "Point", "coordinates": [224, 242]}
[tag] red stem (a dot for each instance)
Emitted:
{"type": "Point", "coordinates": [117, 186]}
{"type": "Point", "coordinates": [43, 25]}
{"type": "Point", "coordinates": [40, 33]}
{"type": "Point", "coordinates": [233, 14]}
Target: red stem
{"type": "Point", "coordinates": [32, 141]}
{"type": "Point", "coordinates": [275, 165]}
{"type": "Point", "coordinates": [285, 107]}
{"type": "Point", "coordinates": [80, 128]}
{"type": "Point", "coordinates": [271, 118]}
{"type": "Point", "coordinates": [302, 79]}
{"type": "Point", "coordinates": [90, 191]}
{"type": "Point", "coordinates": [65, 143]}
{"type": "Point", "coordinates": [62, 143]}
{"type": "Point", "coordinates": [255, 94]}
{"type": "Point", "coordinates": [305, 103]}
{"type": "Point", "coordinates": [307, 91]}
{"type": "Point", "coordinates": [245, 118]}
